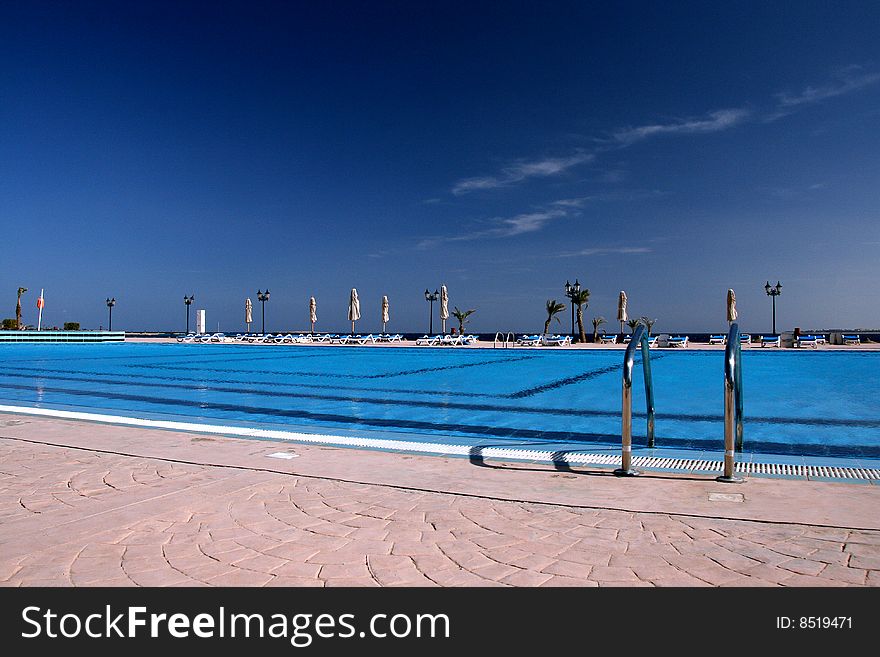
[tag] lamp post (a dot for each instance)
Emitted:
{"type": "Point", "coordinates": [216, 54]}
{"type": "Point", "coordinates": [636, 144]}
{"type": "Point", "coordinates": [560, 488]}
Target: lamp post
{"type": "Point", "coordinates": [773, 292]}
{"type": "Point", "coordinates": [188, 301]}
{"type": "Point", "coordinates": [571, 291]}
{"type": "Point", "coordinates": [432, 298]}
{"type": "Point", "coordinates": [110, 304]}
{"type": "Point", "coordinates": [263, 298]}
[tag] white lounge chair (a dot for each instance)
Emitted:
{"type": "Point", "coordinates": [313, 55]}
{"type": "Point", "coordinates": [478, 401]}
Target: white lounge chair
{"type": "Point", "coordinates": [451, 340]}
{"type": "Point", "coordinates": [529, 340]}
{"type": "Point", "coordinates": [718, 339]}
{"type": "Point", "coordinates": [806, 341]}
{"type": "Point", "coordinates": [469, 339]}
{"type": "Point", "coordinates": [771, 341]}
{"type": "Point", "coordinates": [428, 341]}
{"type": "Point", "coordinates": [679, 341]}
{"type": "Point", "coordinates": [745, 340]}
{"type": "Point", "coordinates": [189, 337]}
{"type": "Point", "coordinates": [556, 340]}
{"type": "Point", "coordinates": [608, 339]}
{"type": "Point", "coordinates": [852, 339]}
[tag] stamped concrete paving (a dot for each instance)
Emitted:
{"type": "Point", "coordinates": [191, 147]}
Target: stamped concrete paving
{"type": "Point", "coordinates": [90, 505]}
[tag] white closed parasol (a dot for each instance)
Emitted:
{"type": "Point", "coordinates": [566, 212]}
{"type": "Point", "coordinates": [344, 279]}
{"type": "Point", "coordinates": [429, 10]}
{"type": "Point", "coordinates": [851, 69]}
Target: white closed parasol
{"type": "Point", "coordinates": [354, 308]}
{"type": "Point", "coordinates": [384, 312]}
{"type": "Point", "coordinates": [248, 313]}
{"type": "Point", "coordinates": [313, 312]}
{"type": "Point", "coordinates": [621, 309]}
{"type": "Point", "coordinates": [444, 306]}
{"type": "Point", "coordinates": [731, 307]}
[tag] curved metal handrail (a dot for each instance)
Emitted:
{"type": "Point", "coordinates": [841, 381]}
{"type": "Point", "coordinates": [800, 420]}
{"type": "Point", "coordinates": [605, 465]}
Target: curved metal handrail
{"type": "Point", "coordinates": [733, 404]}
{"type": "Point", "coordinates": [639, 340]}
{"type": "Point", "coordinates": [510, 339]}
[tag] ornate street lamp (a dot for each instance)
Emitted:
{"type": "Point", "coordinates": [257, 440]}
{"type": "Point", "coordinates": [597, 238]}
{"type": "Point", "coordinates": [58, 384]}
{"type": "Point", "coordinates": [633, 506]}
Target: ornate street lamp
{"type": "Point", "coordinates": [188, 301]}
{"type": "Point", "coordinates": [571, 291]}
{"type": "Point", "coordinates": [432, 298]}
{"type": "Point", "coordinates": [263, 298]}
{"type": "Point", "coordinates": [110, 304]}
{"type": "Point", "coordinates": [773, 292]}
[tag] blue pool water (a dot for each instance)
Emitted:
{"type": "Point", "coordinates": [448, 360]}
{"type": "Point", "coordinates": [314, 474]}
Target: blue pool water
{"type": "Point", "coordinates": [796, 404]}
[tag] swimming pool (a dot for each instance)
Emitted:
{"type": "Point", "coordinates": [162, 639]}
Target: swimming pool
{"type": "Point", "coordinates": [818, 404]}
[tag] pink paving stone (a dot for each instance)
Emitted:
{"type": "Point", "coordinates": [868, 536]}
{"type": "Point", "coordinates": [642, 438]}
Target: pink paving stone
{"type": "Point", "coordinates": [350, 581]}
{"type": "Point", "coordinates": [344, 571]}
{"type": "Point", "coordinates": [525, 578]}
{"type": "Point", "coordinates": [558, 581]}
{"type": "Point", "coordinates": [868, 563]}
{"type": "Point", "coordinates": [295, 582]}
{"type": "Point", "coordinates": [262, 563]}
{"type": "Point", "coordinates": [587, 558]}
{"type": "Point", "coordinates": [844, 574]}
{"type": "Point", "coordinates": [568, 569]}
{"type": "Point", "coordinates": [240, 578]}
{"type": "Point", "coordinates": [494, 571]}
{"type": "Point", "coordinates": [612, 574]}
{"type": "Point", "coordinates": [803, 566]}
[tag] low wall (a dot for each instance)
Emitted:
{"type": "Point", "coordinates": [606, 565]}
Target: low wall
{"type": "Point", "coordinates": [62, 336]}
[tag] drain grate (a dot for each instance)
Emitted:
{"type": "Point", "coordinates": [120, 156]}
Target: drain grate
{"type": "Point", "coordinates": [698, 465]}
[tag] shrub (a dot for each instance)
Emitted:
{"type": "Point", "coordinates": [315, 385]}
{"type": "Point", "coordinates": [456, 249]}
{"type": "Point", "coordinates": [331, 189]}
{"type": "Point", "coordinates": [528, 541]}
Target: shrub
{"type": "Point", "coordinates": [9, 324]}
{"type": "Point", "coordinates": [71, 326]}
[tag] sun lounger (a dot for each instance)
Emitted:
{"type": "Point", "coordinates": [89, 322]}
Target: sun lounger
{"type": "Point", "coordinates": [428, 341]}
{"type": "Point", "coordinates": [718, 339]}
{"type": "Point", "coordinates": [806, 341]}
{"type": "Point", "coordinates": [608, 339]}
{"type": "Point", "coordinates": [851, 339]}
{"type": "Point", "coordinates": [189, 337]}
{"type": "Point", "coordinates": [745, 340]}
{"type": "Point", "coordinates": [451, 340]}
{"type": "Point", "coordinates": [469, 339]}
{"type": "Point", "coordinates": [771, 341]}
{"type": "Point", "coordinates": [820, 339]}
{"type": "Point", "coordinates": [529, 340]}
{"type": "Point", "coordinates": [680, 341]}
{"type": "Point", "coordinates": [556, 340]}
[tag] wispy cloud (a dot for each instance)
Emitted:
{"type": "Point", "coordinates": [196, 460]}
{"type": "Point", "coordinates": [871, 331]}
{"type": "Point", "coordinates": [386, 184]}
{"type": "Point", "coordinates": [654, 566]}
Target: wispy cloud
{"type": "Point", "coordinates": [607, 250]}
{"type": "Point", "coordinates": [850, 79]}
{"type": "Point", "coordinates": [712, 122]}
{"type": "Point", "coordinates": [520, 171]}
{"type": "Point", "coordinates": [526, 222]}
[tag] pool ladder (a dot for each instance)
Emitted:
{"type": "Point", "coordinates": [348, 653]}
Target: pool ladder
{"type": "Point", "coordinates": [733, 402]}
{"type": "Point", "coordinates": [508, 340]}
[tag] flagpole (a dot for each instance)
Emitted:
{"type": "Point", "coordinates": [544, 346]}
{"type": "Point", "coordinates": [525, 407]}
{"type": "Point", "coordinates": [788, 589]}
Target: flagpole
{"type": "Point", "coordinates": [40, 316]}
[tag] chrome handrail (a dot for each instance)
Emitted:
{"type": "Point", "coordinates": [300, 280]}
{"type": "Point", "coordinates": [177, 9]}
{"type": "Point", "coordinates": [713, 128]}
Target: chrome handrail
{"type": "Point", "coordinates": [733, 405]}
{"type": "Point", "coordinates": [639, 339]}
{"type": "Point", "coordinates": [510, 339]}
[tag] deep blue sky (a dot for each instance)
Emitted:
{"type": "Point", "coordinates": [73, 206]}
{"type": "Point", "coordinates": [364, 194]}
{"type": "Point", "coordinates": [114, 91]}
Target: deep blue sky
{"type": "Point", "coordinates": [148, 150]}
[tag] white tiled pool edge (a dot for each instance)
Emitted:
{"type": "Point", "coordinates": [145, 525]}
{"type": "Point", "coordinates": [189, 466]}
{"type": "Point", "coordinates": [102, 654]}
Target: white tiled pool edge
{"type": "Point", "coordinates": [501, 453]}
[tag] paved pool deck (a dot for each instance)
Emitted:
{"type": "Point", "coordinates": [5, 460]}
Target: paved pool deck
{"type": "Point", "coordinates": [85, 504]}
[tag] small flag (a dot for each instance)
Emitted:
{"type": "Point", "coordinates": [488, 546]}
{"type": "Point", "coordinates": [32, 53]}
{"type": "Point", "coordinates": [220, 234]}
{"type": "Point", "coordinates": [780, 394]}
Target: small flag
{"type": "Point", "coordinates": [40, 304]}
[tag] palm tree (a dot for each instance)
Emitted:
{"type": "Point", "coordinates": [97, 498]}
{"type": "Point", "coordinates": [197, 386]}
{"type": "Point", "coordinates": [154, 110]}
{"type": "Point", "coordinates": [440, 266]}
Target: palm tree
{"type": "Point", "coordinates": [633, 324]}
{"type": "Point", "coordinates": [597, 322]}
{"type": "Point", "coordinates": [21, 291]}
{"type": "Point", "coordinates": [649, 323]}
{"type": "Point", "coordinates": [553, 308]}
{"type": "Point", "coordinates": [581, 299]}
{"type": "Point", "coordinates": [462, 317]}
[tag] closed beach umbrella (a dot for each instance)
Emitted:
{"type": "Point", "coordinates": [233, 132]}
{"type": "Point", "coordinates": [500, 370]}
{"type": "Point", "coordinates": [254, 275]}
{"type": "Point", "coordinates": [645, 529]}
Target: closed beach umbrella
{"type": "Point", "coordinates": [384, 312]}
{"type": "Point", "coordinates": [621, 309]}
{"type": "Point", "coordinates": [354, 308]}
{"type": "Point", "coordinates": [248, 313]}
{"type": "Point", "coordinates": [731, 306]}
{"type": "Point", "coordinates": [444, 306]}
{"type": "Point", "coordinates": [313, 312]}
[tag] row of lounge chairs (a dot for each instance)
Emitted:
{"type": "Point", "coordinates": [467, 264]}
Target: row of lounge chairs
{"type": "Point", "coordinates": [544, 340]}
{"type": "Point", "coordinates": [446, 340]}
